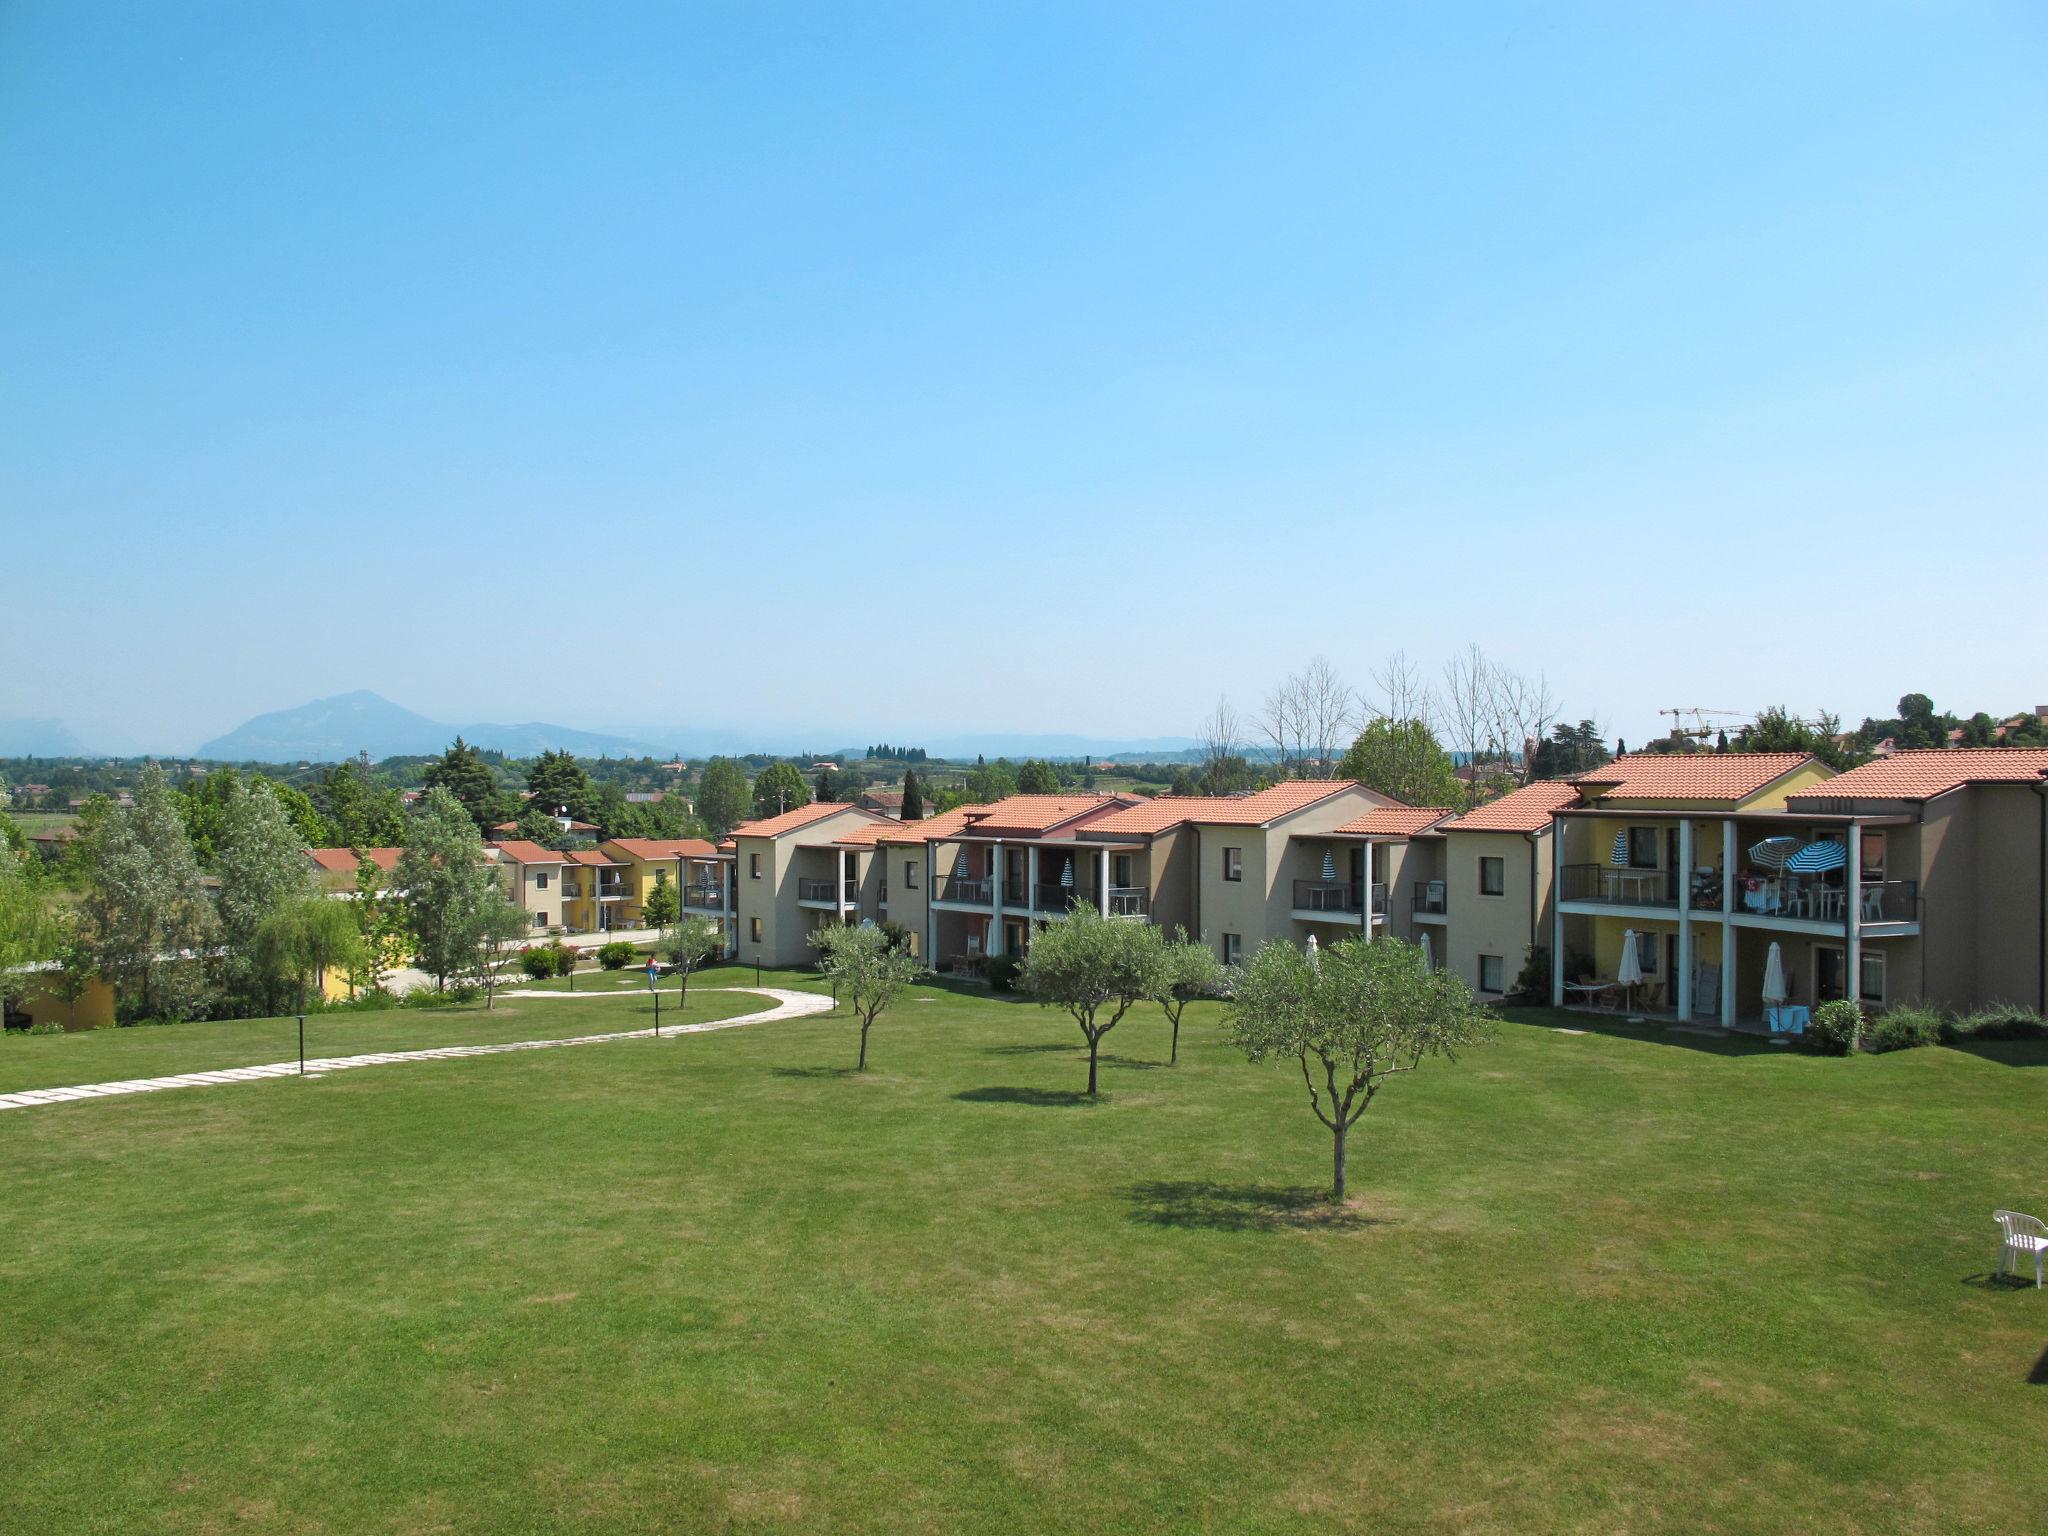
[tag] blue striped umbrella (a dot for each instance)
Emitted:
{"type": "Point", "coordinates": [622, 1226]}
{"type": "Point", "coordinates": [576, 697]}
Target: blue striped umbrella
{"type": "Point", "coordinates": [1067, 873]}
{"type": "Point", "coordinates": [960, 865]}
{"type": "Point", "coordinates": [1816, 857]}
{"type": "Point", "coordinates": [1620, 849]}
{"type": "Point", "coordinates": [1772, 852]}
{"type": "Point", "coordinates": [1329, 864]}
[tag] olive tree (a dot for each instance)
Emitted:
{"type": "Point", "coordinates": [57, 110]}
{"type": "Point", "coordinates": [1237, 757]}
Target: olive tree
{"type": "Point", "coordinates": [694, 941]}
{"type": "Point", "coordinates": [1096, 968]}
{"type": "Point", "coordinates": [495, 926]}
{"type": "Point", "coordinates": [1190, 970]}
{"type": "Point", "coordinates": [870, 972]}
{"type": "Point", "coordinates": [1358, 1014]}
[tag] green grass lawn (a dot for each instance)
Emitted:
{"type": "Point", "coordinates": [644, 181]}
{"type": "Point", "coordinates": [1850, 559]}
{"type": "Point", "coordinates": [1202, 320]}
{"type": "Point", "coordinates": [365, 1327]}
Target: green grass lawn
{"type": "Point", "coordinates": [1610, 1282]}
{"type": "Point", "coordinates": [107, 1055]}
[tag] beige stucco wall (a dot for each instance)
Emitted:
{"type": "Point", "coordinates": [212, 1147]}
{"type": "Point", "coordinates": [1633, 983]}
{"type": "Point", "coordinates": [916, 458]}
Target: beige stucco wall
{"type": "Point", "coordinates": [774, 896]}
{"type": "Point", "coordinates": [1504, 925]}
{"type": "Point", "coordinates": [1260, 907]}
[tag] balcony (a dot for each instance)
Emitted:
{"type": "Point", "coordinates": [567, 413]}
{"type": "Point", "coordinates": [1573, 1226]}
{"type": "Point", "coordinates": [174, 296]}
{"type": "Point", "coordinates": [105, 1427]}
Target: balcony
{"type": "Point", "coordinates": [704, 898]}
{"type": "Point", "coordinates": [613, 890]}
{"type": "Point", "coordinates": [1058, 898]}
{"type": "Point", "coordinates": [829, 892]}
{"type": "Point", "coordinates": [1337, 897]}
{"type": "Point", "coordinates": [1013, 892]}
{"type": "Point", "coordinates": [1428, 899]}
{"type": "Point", "coordinates": [1129, 901]}
{"type": "Point", "coordinates": [1622, 887]}
{"type": "Point", "coordinates": [963, 891]}
{"type": "Point", "coordinates": [1816, 900]}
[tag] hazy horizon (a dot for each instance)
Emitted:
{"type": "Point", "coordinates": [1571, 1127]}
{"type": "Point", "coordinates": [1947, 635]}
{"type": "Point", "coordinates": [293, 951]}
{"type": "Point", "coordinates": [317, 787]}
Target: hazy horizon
{"type": "Point", "coordinates": [906, 372]}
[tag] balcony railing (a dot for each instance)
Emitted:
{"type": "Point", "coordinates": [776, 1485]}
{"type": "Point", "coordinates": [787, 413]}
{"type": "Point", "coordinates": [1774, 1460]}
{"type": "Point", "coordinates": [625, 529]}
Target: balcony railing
{"type": "Point", "coordinates": [1057, 898]}
{"type": "Point", "coordinates": [1626, 886]}
{"type": "Point", "coordinates": [1129, 901]}
{"type": "Point", "coordinates": [1336, 896]}
{"type": "Point", "coordinates": [613, 890]}
{"type": "Point", "coordinates": [1760, 893]}
{"type": "Point", "coordinates": [967, 890]}
{"type": "Point", "coordinates": [1891, 901]}
{"type": "Point", "coordinates": [1013, 892]}
{"type": "Point", "coordinates": [1428, 897]}
{"type": "Point", "coordinates": [827, 890]}
{"type": "Point", "coordinates": [571, 891]}
{"type": "Point", "coordinates": [704, 897]}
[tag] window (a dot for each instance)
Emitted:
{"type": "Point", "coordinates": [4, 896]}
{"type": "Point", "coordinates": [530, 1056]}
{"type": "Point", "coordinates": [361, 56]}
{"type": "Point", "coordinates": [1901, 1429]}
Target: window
{"type": "Point", "coordinates": [1233, 948]}
{"type": "Point", "coordinates": [1873, 976]}
{"type": "Point", "coordinates": [754, 929]}
{"type": "Point", "coordinates": [540, 919]}
{"type": "Point", "coordinates": [1120, 869]}
{"type": "Point", "coordinates": [1646, 953]}
{"type": "Point", "coordinates": [1873, 856]}
{"type": "Point", "coordinates": [540, 881]}
{"type": "Point", "coordinates": [754, 867]}
{"type": "Point", "coordinates": [910, 874]}
{"type": "Point", "coordinates": [1233, 863]}
{"type": "Point", "coordinates": [1492, 973]}
{"type": "Point", "coordinates": [1642, 847]}
{"type": "Point", "coordinates": [1493, 877]}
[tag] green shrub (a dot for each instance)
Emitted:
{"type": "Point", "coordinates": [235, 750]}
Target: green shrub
{"type": "Point", "coordinates": [1834, 1029]}
{"type": "Point", "coordinates": [616, 956]}
{"type": "Point", "coordinates": [537, 963]}
{"type": "Point", "coordinates": [1995, 1021]}
{"type": "Point", "coordinates": [427, 997]}
{"type": "Point", "coordinates": [1534, 980]}
{"type": "Point", "coordinates": [564, 958]}
{"type": "Point", "coordinates": [1003, 971]}
{"type": "Point", "coordinates": [366, 1000]}
{"type": "Point", "coordinates": [47, 1027]}
{"type": "Point", "coordinates": [1902, 1028]}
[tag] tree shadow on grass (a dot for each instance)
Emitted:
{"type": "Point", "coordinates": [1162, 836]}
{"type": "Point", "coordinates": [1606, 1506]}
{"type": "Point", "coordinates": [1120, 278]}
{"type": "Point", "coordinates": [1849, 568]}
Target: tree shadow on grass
{"type": "Point", "coordinates": [1035, 1050]}
{"type": "Point", "coordinates": [1043, 1098]}
{"type": "Point", "coordinates": [1208, 1206]}
{"type": "Point", "coordinates": [817, 1071]}
{"type": "Point", "coordinates": [2038, 1376]}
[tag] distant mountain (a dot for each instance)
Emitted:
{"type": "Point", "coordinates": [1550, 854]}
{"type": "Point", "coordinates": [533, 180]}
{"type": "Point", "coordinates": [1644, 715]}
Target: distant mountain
{"type": "Point", "coordinates": [38, 738]}
{"type": "Point", "coordinates": [328, 730]}
{"type": "Point", "coordinates": [1017, 745]}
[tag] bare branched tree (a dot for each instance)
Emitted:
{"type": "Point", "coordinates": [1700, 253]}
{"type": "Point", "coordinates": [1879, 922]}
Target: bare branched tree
{"type": "Point", "coordinates": [1494, 716]}
{"type": "Point", "coordinates": [1222, 738]}
{"type": "Point", "coordinates": [1401, 692]}
{"type": "Point", "coordinates": [1307, 722]}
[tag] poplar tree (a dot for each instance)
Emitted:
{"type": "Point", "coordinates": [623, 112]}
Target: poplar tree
{"type": "Point", "coordinates": [149, 923]}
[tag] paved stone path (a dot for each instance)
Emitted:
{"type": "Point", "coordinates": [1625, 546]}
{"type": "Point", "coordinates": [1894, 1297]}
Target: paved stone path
{"type": "Point", "coordinates": [788, 1005]}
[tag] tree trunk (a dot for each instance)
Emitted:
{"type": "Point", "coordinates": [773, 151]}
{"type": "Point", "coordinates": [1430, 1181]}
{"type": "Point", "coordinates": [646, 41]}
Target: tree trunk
{"type": "Point", "coordinates": [1093, 1042]}
{"type": "Point", "coordinates": [1174, 1059]}
{"type": "Point", "coordinates": [863, 1049]}
{"type": "Point", "coordinates": [1338, 1180]}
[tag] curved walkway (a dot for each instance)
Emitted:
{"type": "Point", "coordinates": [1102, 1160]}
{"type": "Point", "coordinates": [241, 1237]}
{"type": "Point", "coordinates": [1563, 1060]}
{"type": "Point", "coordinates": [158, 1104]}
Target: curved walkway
{"type": "Point", "coordinates": [788, 1005]}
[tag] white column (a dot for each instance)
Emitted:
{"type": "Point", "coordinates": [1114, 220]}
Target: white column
{"type": "Point", "coordinates": [1102, 880]}
{"type": "Point", "coordinates": [1556, 913]}
{"type": "Point", "coordinates": [1853, 955]}
{"type": "Point", "coordinates": [1728, 932]}
{"type": "Point", "coordinates": [931, 912]}
{"type": "Point", "coordinates": [1684, 993]}
{"type": "Point", "coordinates": [995, 897]}
{"type": "Point", "coordinates": [1031, 877]}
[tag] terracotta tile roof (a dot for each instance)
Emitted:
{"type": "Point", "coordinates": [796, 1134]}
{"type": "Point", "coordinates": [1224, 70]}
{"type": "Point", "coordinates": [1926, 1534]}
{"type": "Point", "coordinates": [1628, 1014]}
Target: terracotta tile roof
{"type": "Point", "coordinates": [521, 852]}
{"type": "Point", "coordinates": [867, 834]}
{"type": "Point", "coordinates": [662, 850]}
{"type": "Point", "coordinates": [1251, 810]}
{"type": "Point", "coordinates": [1690, 775]}
{"type": "Point", "coordinates": [1519, 810]}
{"type": "Point", "coordinates": [792, 821]}
{"type": "Point", "coordinates": [1920, 775]}
{"type": "Point", "coordinates": [938, 828]}
{"type": "Point", "coordinates": [591, 857]}
{"type": "Point", "coordinates": [343, 861]}
{"type": "Point", "coordinates": [1034, 815]}
{"type": "Point", "coordinates": [1395, 821]}
{"type": "Point", "coordinates": [574, 826]}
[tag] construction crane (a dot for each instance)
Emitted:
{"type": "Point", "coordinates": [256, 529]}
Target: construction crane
{"type": "Point", "coordinates": [1700, 730]}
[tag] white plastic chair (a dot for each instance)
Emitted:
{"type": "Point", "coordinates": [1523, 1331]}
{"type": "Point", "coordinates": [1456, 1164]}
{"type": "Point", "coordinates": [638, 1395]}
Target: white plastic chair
{"type": "Point", "coordinates": [2023, 1235]}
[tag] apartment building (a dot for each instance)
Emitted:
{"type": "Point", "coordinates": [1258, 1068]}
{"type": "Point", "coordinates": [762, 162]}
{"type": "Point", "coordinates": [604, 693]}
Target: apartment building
{"type": "Point", "coordinates": [796, 872]}
{"type": "Point", "coordinates": [1490, 897]}
{"type": "Point", "coordinates": [334, 869]}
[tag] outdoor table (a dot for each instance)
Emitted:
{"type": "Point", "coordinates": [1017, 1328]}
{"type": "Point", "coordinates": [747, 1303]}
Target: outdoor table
{"type": "Point", "coordinates": [1635, 879]}
{"type": "Point", "coordinates": [1589, 990]}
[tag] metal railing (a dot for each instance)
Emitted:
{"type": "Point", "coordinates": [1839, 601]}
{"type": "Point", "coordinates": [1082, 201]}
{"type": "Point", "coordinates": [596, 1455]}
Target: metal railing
{"type": "Point", "coordinates": [1624, 886]}
{"type": "Point", "coordinates": [704, 897]}
{"type": "Point", "coordinates": [1429, 896]}
{"type": "Point", "coordinates": [1129, 901]}
{"type": "Point", "coordinates": [965, 889]}
{"type": "Point", "coordinates": [1013, 891]}
{"type": "Point", "coordinates": [827, 890]}
{"type": "Point", "coordinates": [1327, 896]}
{"type": "Point", "coordinates": [1057, 898]}
{"type": "Point", "coordinates": [1764, 893]}
{"type": "Point", "coordinates": [613, 890]}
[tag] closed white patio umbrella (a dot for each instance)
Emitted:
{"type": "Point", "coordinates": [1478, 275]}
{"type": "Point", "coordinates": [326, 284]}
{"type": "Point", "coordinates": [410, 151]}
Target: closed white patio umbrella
{"type": "Point", "coordinates": [1428, 963]}
{"type": "Point", "coordinates": [1774, 987]}
{"type": "Point", "coordinates": [1312, 951]}
{"type": "Point", "coordinates": [1630, 975]}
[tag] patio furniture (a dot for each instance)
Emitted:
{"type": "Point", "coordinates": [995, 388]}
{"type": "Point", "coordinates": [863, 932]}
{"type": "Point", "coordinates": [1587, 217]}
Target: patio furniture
{"type": "Point", "coordinates": [1873, 902]}
{"type": "Point", "coordinates": [1591, 992]}
{"type": "Point", "coordinates": [1634, 881]}
{"type": "Point", "coordinates": [1788, 1018]}
{"type": "Point", "coordinates": [2024, 1235]}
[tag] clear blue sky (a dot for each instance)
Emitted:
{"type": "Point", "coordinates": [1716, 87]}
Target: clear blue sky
{"type": "Point", "coordinates": [1041, 368]}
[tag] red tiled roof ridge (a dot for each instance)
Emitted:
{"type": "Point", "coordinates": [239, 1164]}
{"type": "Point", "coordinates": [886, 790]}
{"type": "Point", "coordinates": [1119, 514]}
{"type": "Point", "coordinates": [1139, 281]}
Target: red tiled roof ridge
{"type": "Point", "coordinates": [1519, 810]}
{"type": "Point", "coordinates": [802, 816]}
